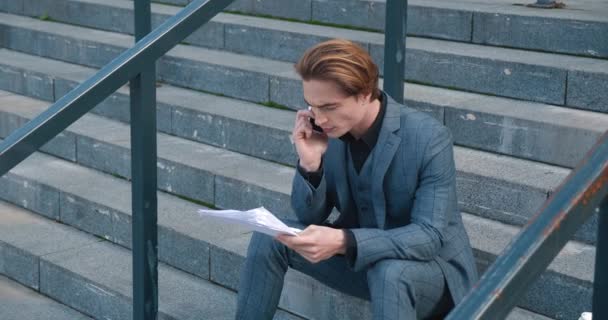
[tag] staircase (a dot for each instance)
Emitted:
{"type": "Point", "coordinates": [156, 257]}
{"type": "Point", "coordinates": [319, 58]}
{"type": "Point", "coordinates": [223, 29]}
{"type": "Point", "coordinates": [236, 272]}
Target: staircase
{"type": "Point", "coordinates": [523, 91]}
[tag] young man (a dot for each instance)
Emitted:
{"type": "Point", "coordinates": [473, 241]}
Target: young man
{"type": "Point", "coordinates": [389, 170]}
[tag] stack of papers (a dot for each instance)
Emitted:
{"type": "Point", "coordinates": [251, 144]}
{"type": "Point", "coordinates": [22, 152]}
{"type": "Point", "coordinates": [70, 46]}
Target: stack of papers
{"type": "Point", "coordinates": [258, 219]}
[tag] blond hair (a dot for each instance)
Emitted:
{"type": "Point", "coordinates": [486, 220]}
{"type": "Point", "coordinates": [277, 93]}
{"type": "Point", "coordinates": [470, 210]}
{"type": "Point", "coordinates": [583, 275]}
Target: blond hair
{"type": "Point", "coordinates": [343, 62]}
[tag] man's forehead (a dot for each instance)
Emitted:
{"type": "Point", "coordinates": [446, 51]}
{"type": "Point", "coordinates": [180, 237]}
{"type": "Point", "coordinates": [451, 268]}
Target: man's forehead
{"type": "Point", "coordinates": [318, 93]}
{"type": "Point", "coordinates": [321, 103]}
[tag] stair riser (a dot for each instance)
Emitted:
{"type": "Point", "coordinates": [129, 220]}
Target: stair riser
{"type": "Point", "coordinates": [507, 29]}
{"type": "Point", "coordinates": [19, 265]}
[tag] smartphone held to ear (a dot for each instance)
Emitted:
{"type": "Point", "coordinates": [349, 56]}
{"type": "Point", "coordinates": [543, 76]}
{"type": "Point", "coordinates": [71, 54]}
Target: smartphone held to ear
{"type": "Point", "coordinates": [315, 127]}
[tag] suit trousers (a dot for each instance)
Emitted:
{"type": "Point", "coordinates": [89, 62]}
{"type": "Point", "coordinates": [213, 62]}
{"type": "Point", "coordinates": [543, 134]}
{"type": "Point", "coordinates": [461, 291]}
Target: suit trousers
{"type": "Point", "coordinates": [397, 289]}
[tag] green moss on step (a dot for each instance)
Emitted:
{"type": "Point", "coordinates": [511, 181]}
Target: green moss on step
{"type": "Point", "coordinates": [198, 202]}
{"type": "Point", "coordinates": [275, 105]}
{"type": "Point", "coordinates": [312, 22]}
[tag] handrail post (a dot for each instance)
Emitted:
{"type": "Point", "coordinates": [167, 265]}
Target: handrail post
{"type": "Point", "coordinates": [600, 281]}
{"type": "Point", "coordinates": [144, 179]}
{"type": "Point", "coordinates": [394, 48]}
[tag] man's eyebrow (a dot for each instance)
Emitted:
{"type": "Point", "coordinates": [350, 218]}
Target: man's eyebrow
{"type": "Point", "coordinates": [321, 106]}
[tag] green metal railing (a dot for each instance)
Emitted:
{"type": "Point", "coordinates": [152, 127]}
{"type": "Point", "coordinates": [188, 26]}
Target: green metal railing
{"type": "Point", "coordinates": [137, 65]}
{"type": "Point", "coordinates": [582, 194]}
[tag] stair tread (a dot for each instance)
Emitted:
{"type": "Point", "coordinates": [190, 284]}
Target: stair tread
{"type": "Point", "coordinates": [222, 57]}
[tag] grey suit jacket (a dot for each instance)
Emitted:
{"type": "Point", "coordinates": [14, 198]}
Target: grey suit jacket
{"type": "Point", "coordinates": [414, 198]}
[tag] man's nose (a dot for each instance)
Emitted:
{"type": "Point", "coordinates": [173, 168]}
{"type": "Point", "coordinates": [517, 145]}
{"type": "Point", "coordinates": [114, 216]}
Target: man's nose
{"type": "Point", "coordinates": [320, 119]}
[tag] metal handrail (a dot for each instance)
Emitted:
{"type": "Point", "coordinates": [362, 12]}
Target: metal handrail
{"type": "Point", "coordinates": [533, 249]}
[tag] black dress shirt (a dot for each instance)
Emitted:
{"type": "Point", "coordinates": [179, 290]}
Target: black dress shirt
{"type": "Point", "coordinates": [360, 150]}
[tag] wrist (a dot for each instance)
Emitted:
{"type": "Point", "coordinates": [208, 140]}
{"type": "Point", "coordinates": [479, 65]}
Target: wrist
{"type": "Point", "coordinates": [310, 166]}
{"type": "Point", "coordinates": [341, 241]}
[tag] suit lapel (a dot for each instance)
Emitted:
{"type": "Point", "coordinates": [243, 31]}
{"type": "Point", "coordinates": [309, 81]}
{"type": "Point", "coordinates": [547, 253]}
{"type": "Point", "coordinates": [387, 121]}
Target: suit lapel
{"type": "Point", "coordinates": [341, 176]}
{"type": "Point", "coordinates": [387, 145]}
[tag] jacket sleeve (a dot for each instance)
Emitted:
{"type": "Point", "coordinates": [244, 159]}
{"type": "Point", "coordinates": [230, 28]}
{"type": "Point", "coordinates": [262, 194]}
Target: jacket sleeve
{"type": "Point", "coordinates": [434, 199]}
{"type": "Point", "coordinates": [311, 204]}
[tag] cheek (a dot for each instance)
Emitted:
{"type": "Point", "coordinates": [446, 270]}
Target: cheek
{"type": "Point", "coordinates": [346, 118]}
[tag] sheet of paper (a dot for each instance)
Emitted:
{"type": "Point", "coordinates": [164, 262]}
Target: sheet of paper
{"type": "Point", "coordinates": [258, 219]}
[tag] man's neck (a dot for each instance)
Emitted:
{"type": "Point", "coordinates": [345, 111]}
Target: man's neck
{"type": "Point", "coordinates": [360, 129]}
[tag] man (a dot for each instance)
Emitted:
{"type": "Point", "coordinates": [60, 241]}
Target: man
{"type": "Point", "coordinates": [389, 170]}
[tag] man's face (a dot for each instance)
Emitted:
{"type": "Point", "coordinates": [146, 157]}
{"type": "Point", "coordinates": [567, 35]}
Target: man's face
{"type": "Point", "coordinates": [334, 111]}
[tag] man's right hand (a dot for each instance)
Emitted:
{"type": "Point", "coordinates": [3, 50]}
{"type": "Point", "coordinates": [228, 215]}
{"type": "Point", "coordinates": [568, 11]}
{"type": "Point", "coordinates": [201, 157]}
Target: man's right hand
{"type": "Point", "coordinates": [310, 145]}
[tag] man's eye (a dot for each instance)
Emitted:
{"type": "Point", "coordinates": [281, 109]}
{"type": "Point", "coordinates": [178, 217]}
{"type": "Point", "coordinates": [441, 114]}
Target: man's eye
{"type": "Point", "coordinates": [330, 108]}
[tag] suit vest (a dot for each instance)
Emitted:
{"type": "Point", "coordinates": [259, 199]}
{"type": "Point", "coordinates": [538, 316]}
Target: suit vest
{"type": "Point", "coordinates": [361, 190]}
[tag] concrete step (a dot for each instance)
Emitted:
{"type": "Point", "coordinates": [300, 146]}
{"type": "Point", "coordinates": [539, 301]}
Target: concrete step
{"type": "Point", "coordinates": [20, 302]}
{"type": "Point", "coordinates": [516, 128]}
{"type": "Point", "coordinates": [498, 187]}
{"type": "Point", "coordinates": [94, 276]}
{"type": "Point", "coordinates": [103, 209]}
{"type": "Point", "coordinates": [540, 77]}
{"type": "Point", "coordinates": [576, 29]}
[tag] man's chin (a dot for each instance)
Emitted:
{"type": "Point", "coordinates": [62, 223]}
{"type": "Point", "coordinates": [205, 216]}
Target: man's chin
{"type": "Point", "coordinates": [334, 134]}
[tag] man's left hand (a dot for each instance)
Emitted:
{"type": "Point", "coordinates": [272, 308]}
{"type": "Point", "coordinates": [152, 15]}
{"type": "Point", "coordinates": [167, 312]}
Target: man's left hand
{"type": "Point", "coordinates": [316, 243]}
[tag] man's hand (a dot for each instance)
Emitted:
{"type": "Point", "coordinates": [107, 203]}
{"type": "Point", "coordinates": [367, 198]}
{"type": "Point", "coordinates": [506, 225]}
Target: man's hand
{"type": "Point", "coordinates": [310, 146]}
{"type": "Point", "coordinates": [316, 243]}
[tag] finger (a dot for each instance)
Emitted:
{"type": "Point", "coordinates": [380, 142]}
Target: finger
{"type": "Point", "coordinates": [305, 114]}
{"type": "Point", "coordinates": [302, 128]}
{"type": "Point", "coordinates": [303, 131]}
{"type": "Point", "coordinates": [302, 120]}
{"type": "Point", "coordinates": [308, 132]}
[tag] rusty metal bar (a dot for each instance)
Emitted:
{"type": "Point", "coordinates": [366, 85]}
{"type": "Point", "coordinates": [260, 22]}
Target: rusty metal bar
{"type": "Point", "coordinates": [600, 281]}
{"type": "Point", "coordinates": [541, 239]}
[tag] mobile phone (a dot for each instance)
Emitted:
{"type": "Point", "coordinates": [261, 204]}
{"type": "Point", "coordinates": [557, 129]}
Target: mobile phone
{"type": "Point", "coordinates": [315, 127]}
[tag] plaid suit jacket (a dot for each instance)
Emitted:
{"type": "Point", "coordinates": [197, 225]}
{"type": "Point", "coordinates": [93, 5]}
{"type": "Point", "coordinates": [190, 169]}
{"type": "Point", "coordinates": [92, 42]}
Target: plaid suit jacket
{"type": "Point", "coordinates": [413, 196]}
